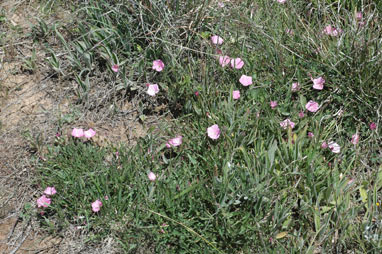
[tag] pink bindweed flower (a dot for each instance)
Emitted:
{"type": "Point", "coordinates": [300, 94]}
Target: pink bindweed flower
{"type": "Point", "coordinates": [301, 114]}
{"type": "Point", "coordinates": [295, 87]}
{"type": "Point", "coordinates": [221, 4]}
{"type": "Point", "coordinates": [196, 93]}
{"type": "Point", "coordinates": [106, 197]}
{"type": "Point", "coordinates": [287, 122]}
{"type": "Point", "coordinates": [213, 131]}
{"type": "Point", "coordinates": [310, 134]}
{"type": "Point", "coordinates": [174, 142]}
{"type": "Point", "coordinates": [312, 106]}
{"type": "Point", "coordinates": [43, 201]}
{"type": "Point", "coordinates": [50, 191]}
{"type": "Point", "coordinates": [334, 147]}
{"type": "Point", "coordinates": [152, 89]}
{"type": "Point", "coordinates": [373, 126]}
{"type": "Point", "coordinates": [324, 145]}
{"type": "Point", "coordinates": [236, 94]}
{"type": "Point", "coordinates": [329, 30]}
{"type": "Point", "coordinates": [77, 132]}
{"type": "Point", "coordinates": [355, 139]}
{"type": "Point", "coordinates": [281, 1]}
{"type": "Point", "coordinates": [217, 40]}
{"type": "Point", "coordinates": [224, 60]}
{"type": "Point", "coordinates": [152, 177]}
{"type": "Point", "coordinates": [115, 67]}
{"type": "Point", "coordinates": [89, 133]}
{"type": "Point", "coordinates": [289, 31]}
{"type": "Point", "coordinates": [359, 16]}
{"type": "Point", "coordinates": [96, 206]}
{"type": "Point", "coordinates": [318, 83]}
{"type": "Point", "coordinates": [237, 63]}
{"type": "Point", "coordinates": [245, 80]}
{"type": "Point", "coordinates": [158, 65]}
{"type": "Point", "coordinates": [273, 104]}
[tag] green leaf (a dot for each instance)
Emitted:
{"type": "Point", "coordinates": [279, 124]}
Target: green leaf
{"type": "Point", "coordinates": [363, 194]}
{"type": "Point", "coordinates": [325, 209]}
{"type": "Point", "coordinates": [192, 187]}
{"type": "Point", "coordinates": [317, 221]}
{"type": "Point", "coordinates": [302, 101]}
{"type": "Point", "coordinates": [271, 152]}
{"type": "Point", "coordinates": [281, 235]}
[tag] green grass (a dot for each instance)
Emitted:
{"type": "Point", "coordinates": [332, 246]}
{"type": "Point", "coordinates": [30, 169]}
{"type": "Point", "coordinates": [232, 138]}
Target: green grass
{"type": "Point", "coordinates": [256, 189]}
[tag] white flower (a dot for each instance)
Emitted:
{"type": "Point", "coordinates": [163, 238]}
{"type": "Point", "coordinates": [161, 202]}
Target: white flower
{"type": "Point", "coordinates": [334, 147]}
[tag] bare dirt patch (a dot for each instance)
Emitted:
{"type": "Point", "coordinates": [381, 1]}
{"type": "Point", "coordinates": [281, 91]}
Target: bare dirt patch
{"type": "Point", "coordinates": [31, 105]}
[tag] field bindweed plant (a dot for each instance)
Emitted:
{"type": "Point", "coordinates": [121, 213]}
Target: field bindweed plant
{"type": "Point", "coordinates": [275, 146]}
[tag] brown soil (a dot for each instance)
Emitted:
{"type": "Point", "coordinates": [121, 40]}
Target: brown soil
{"type": "Point", "coordinates": [31, 103]}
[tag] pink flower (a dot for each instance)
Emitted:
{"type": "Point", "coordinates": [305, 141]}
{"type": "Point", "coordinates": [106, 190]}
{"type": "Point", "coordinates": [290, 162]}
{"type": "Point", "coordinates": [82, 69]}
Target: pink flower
{"type": "Point", "coordinates": [50, 191]}
{"type": "Point", "coordinates": [310, 134]}
{"type": "Point", "coordinates": [152, 177]}
{"type": "Point", "coordinates": [43, 201]}
{"type": "Point", "coordinates": [324, 145]}
{"type": "Point", "coordinates": [373, 126]}
{"type": "Point", "coordinates": [96, 206]}
{"type": "Point", "coordinates": [237, 63]}
{"type": "Point", "coordinates": [295, 87]}
{"type": "Point", "coordinates": [329, 30]}
{"type": "Point", "coordinates": [355, 139]}
{"type": "Point", "coordinates": [106, 197]}
{"type": "Point", "coordinates": [89, 133]}
{"type": "Point", "coordinates": [301, 114]}
{"type": "Point", "coordinates": [196, 93]}
{"type": "Point", "coordinates": [245, 80]}
{"type": "Point", "coordinates": [115, 67]}
{"type": "Point", "coordinates": [224, 60]}
{"type": "Point", "coordinates": [158, 65]}
{"type": "Point", "coordinates": [289, 31]}
{"type": "Point", "coordinates": [78, 133]}
{"type": "Point", "coordinates": [318, 83]}
{"type": "Point", "coordinates": [221, 4]}
{"type": "Point", "coordinates": [334, 147]}
{"type": "Point", "coordinates": [174, 142]}
{"type": "Point", "coordinates": [336, 31]}
{"type": "Point", "coordinates": [213, 131]}
{"type": "Point", "coordinates": [312, 106]}
{"type": "Point", "coordinates": [217, 40]}
{"type": "Point", "coordinates": [287, 122]}
{"type": "Point", "coordinates": [273, 104]}
{"type": "Point", "coordinates": [236, 94]}
{"type": "Point", "coordinates": [359, 15]}
{"type": "Point", "coordinates": [281, 1]}
{"type": "Point", "coordinates": [152, 89]}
